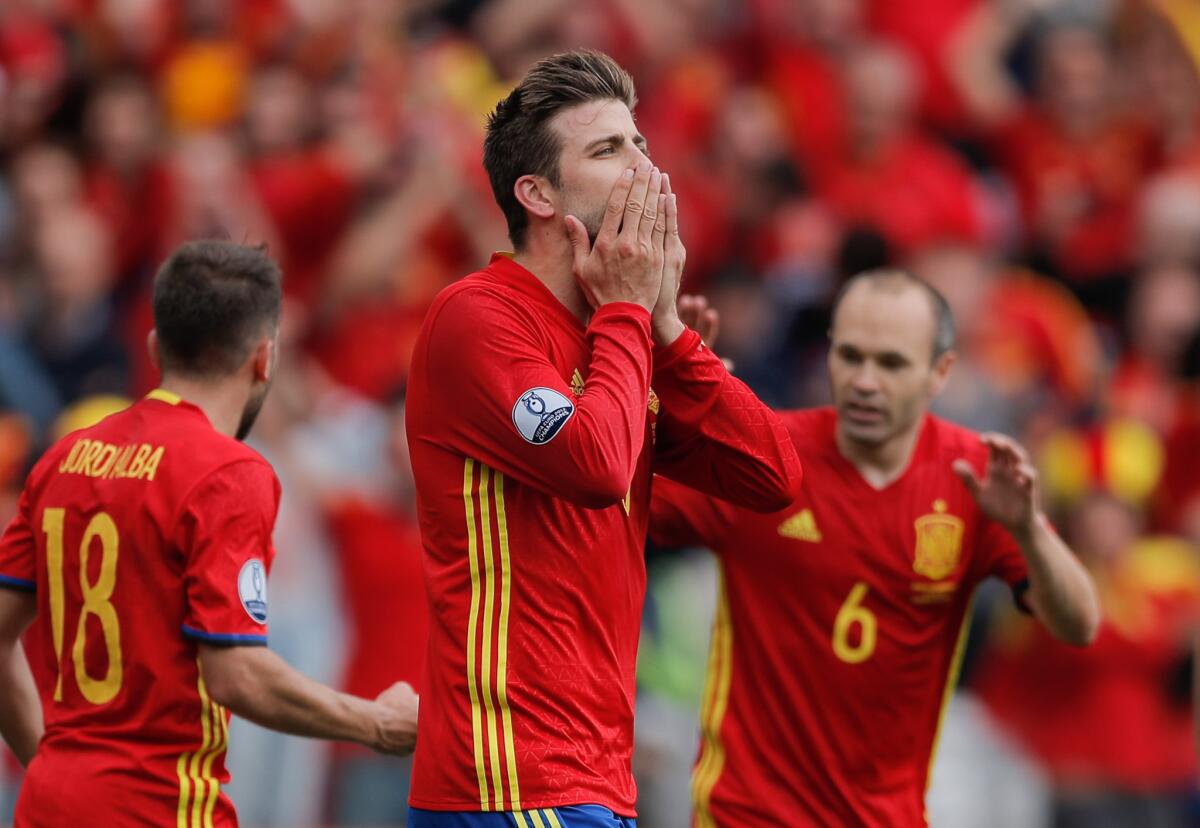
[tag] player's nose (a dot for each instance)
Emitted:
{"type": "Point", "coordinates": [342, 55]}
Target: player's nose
{"type": "Point", "coordinates": [865, 381]}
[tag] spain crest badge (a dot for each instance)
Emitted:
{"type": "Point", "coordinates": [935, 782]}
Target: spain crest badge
{"type": "Point", "coordinates": [939, 543]}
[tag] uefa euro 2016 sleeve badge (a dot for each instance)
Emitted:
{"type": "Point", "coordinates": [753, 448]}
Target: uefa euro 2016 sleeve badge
{"type": "Point", "coordinates": [252, 589]}
{"type": "Point", "coordinates": [540, 413]}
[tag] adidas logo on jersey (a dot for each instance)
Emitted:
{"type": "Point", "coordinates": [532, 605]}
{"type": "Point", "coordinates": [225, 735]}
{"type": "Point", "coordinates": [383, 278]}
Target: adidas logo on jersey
{"type": "Point", "coordinates": [801, 526]}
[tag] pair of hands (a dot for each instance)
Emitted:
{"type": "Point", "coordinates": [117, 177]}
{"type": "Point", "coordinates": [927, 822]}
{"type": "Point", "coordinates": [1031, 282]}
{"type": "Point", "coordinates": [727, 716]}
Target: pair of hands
{"type": "Point", "coordinates": [637, 256]}
{"type": "Point", "coordinates": [396, 720]}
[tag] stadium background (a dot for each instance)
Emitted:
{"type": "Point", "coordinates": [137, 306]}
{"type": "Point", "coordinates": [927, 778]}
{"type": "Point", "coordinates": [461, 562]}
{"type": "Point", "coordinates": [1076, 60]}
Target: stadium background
{"type": "Point", "coordinates": [1038, 160]}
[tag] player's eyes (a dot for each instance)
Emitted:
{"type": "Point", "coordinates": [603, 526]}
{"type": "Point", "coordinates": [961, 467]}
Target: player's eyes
{"type": "Point", "coordinates": [604, 151]}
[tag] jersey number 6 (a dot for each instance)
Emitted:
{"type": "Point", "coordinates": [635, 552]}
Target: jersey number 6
{"type": "Point", "coordinates": [96, 602]}
{"type": "Point", "coordinates": [854, 614]}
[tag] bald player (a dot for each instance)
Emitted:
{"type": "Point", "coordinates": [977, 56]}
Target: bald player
{"type": "Point", "coordinates": [841, 618]}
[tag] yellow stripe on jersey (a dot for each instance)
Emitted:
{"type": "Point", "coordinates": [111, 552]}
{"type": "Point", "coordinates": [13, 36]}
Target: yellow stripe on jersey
{"type": "Point", "coordinates": [194, 765]}
{"type": "Point", "coordinates": [472, 629]}
{"type": "Point", "coordinates": [181, 820]}
{"type": "Point", "coordinates": [489, 605]}
{"type": "Point", "coordinates": [716, 700]}
{"type": "Point", "coordinates": [552, 817]}
{"type": "Point", "coordinates": [514, 786]}
{"type": "Point", "coordinates": [519, 816]}
{"type": "Point", "coordinates": [956, 661]}
{"type": "Point", "coordinates": [537, 820]}
{"type": "Point", "coordinates": [490, 712]}
{"type": "Point", "coordinates": [198, 789]}
{"type": "Point", "coordinates": [220, 743]}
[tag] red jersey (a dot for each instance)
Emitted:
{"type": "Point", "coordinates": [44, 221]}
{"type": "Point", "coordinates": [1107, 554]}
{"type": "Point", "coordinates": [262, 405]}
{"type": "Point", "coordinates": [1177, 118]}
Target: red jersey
{"type": "Point", "coordinates": [141, 536]}
{"type": "Point", "coordinates": [533, 441]}
{"type": "Point", "coordinates": [838, 631]}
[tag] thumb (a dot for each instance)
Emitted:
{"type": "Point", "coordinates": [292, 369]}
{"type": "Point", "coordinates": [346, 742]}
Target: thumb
{"type": "Point", "coordinates": [967, 475]}
{"type": "Point", "coordinates": [580, 246]}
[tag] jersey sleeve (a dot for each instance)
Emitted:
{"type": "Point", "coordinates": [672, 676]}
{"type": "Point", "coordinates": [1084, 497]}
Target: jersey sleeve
{"type": "Point", "coordinates": [715, 435]}
{"type": "Point", "coordinates": [682, 516]}
{"type": "Point", "coordinates": [225, 532]}
{"type": "Point", "coordinates": [1000, 555]}
{"type": "Point", "coordinates": [495, 396]}
{"type": "Point", "coordinates": [18, 550]}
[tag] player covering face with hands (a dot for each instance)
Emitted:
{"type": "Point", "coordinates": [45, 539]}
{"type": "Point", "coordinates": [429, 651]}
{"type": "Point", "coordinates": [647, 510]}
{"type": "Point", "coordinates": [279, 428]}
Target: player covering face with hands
{"type": "Point", "coordinates": [841, 617]}
{"type": "Point", "coordinates": [139, 555]}
{"type": "Point", "coordinates": [545, 390]}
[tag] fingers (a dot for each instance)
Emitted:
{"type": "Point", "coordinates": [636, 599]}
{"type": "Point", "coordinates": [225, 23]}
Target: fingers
{"type": "Point", "coordinates": [691, 309]}
{"type": "Point", "coordinates": [672, 210]}
{"type": "Point", "coordinates": [1026, 476]}
{"type": "Point", "coordinates": [966, 474]}
{"type": "Point", "coordinates": [577, 234]}
{"type": "Point", "coordinates": [635, 201]}
{"type": "Point", "coordinates": [659, 231]}
{"type": "Point", "coordinates": [650, 209]}
{"type": "Point", "coordinates": [1004, 448]}
{"type": "Point", "coordinates": [616, 206]}
{"type": "Point", "coordinates": [710, 326]}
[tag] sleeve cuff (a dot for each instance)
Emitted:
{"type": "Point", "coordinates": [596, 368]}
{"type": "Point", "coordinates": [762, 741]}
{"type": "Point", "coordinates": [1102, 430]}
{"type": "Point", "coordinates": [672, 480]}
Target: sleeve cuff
{"type": "Point", "coordinates": [627, 309]}
{"type": "Point", "coordinates": [667, 355]}
{"type": "Point", "coordinates": [225, 639]}
{"type": "Point", "coordinates": [18, 583]}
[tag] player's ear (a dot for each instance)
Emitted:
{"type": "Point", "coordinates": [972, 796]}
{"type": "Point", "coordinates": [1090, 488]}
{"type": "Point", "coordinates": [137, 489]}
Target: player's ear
{"type": "Point", "coordinates": [152, 349]}
{"type": "Point", "coordinates": [941, 371]}
{"type": "Point", "coordinates": [264, 359]}
{"type": "Point", "coordinates": [536, 195]}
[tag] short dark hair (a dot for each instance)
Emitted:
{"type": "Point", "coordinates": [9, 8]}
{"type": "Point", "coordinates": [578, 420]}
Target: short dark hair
{"type": "Point", "coordinates": [943, 335]}
{"type": "Point", "coordinates": [212, 301]}
{"type": "Point", "coordinates": [519, 140]}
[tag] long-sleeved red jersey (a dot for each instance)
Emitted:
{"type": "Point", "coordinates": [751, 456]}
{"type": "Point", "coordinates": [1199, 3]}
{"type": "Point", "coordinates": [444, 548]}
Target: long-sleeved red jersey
{"type": "Point", "coordinates": [533, 442]}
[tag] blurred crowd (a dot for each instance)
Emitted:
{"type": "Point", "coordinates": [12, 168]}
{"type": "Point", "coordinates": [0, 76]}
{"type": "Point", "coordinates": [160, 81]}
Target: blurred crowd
{"type": "Point", "coordinates": [1037, 160]}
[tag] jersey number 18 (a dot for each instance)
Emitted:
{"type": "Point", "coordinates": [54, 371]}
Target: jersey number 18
{"type": "Point", "coordinates": [97, 601]}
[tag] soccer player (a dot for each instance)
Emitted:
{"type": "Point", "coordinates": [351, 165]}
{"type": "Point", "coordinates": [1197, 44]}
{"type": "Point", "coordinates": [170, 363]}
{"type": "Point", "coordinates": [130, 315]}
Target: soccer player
{"type": "Point", "coordinates": [840, 618]}
{"type": "Point", "coordinates": [534, 430]}
{"type": "Point", "coordinates": [140, 553]}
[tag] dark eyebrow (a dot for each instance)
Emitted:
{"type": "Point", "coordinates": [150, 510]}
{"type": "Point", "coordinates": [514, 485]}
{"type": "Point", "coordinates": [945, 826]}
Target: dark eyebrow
{"type": "Point", "coordinates": [616, 140]}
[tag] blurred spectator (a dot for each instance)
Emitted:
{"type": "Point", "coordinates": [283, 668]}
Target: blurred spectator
{"type": "Point", "coordinates": [377, 544]}
{"type": "Point", "coordinates": [304, 188]}
{"type": "Point", "coordinates": [1169, 220]}
{"type": "Point", "coordinates": [1076, 160]}
{"type": "Point", "coordinates": [888, 175]}
{"type": "Point", "coordinates": [127, 183]}
{"type": "Point", "coordinates": [1166, 82]}
{"type": "Point", "coordinates": [803, 44]}
{"type": "Point", "coordinates": [73, 329]}
{"type": "Point", "coordinates": [1163, 313]}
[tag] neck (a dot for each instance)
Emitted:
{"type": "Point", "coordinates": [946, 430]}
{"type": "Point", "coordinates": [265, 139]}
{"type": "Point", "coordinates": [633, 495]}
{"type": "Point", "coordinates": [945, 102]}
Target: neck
{"type": "Point", "coordinates": [549, 257]}
{"type": "Point", "coordinates": [222, 401]}
{"type": "Point", "coordinates": [881, 463]}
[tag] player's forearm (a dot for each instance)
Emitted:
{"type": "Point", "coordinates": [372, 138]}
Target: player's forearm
{"type": "Point", "coordinates": [265, 690]}
{"type": "Point", "coordinates": [605, 437]}
{"type": "Point", "coordinates": [1061, 592]}
{"type": "Point", "coordinates": [20, 708]}
{"type": "Point", "coordinates": [717, 436]}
